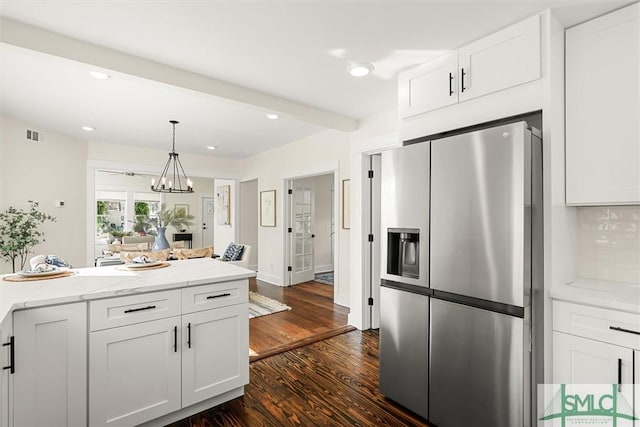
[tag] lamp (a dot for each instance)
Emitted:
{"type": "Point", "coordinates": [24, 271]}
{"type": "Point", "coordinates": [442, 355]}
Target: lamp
{"type": "Point", "coordinates": [173, 183]}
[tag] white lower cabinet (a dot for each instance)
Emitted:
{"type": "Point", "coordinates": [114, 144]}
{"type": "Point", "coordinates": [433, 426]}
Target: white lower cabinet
{"type": "Point", "coordinates": [50, 361]}
{"type": "Point", "coordinates": [135, 372]}
{"type": "Point", "coordinates": [215, 352]}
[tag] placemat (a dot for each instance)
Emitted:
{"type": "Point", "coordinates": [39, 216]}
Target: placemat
{"type": "Point", "coordinates": [151, 267]}
{"type": "Point", "coordinates": [16, 278]}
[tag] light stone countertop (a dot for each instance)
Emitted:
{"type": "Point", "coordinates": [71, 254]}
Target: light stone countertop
{"type": "Point", "coordinates": [617, 296]}
{"type": "Point", "coordinates": [103, 282]}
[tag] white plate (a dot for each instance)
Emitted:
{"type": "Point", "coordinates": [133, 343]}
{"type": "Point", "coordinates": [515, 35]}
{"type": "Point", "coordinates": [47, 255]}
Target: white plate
{"type": "Point", "coordinates": [139, 265]}
{"type": "Point", "coordinates": [28, 273]}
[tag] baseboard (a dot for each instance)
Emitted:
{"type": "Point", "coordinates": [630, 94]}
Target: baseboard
{"type": "Point", "coordinates": [269, 278]}
{"type": "Point", "coordinates": [342, 300]}
{"type": "Point", "coordinates": [323, 268]}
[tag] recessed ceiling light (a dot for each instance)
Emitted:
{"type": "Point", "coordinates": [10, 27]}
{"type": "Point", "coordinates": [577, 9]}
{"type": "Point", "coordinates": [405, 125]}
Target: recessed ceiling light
{"type": "Point", "coordinates": [88, 128]}
{"type": "Point", "coordinates": [211, 147]}
{"type": "Point", "coordinates": [272, 116]}
{"type": "Point", "coordinates": [99, 75]}
{"type": "Point", "coordinates": [361, 70]}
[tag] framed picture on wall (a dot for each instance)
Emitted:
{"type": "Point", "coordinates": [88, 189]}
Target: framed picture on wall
{"type": "Point", "coordinates": [346, 205]}
{"type": "Point", "coordinates": [223, 205]}
{"type": "Point", "coordinates": [182, 210]}
{"type": "Point", "coordinates": [268, 208]}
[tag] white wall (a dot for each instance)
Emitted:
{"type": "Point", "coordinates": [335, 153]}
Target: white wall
{"type": "Point", "coordinates": [52, 170]}
{"type": "Point", "coordinates": [249, 218]}
{"type": "Point", "coordinates": [225, 233]}
{"type": "Point", "coordinates": [322, 194]}
{"type": "Point", "coordinates": [324, 152]}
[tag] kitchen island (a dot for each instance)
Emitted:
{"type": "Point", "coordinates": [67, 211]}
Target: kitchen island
{"type": "Point", "coordinates": [108, 346]}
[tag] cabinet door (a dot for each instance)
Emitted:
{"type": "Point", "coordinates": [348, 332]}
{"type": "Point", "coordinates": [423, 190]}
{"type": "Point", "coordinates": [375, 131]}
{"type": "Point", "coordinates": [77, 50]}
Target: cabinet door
{"type": "Point", "coordinates": [215, 356]}
{"type": "Point", "coordinates": [50, 381]}
{"type": "Point", "coordinates": [134, 373]}
{"type": "Point", "coordinates": [602, 109]}
{"type": "Point", "coordinates": [579, 360]}
{"type": "Point", "coordinates": [428, 87]}
{"type": "Point", "coordinates": [504, 59]}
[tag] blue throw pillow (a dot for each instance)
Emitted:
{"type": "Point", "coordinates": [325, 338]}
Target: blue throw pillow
{"type": "Point", "coordinates": [233, 252]}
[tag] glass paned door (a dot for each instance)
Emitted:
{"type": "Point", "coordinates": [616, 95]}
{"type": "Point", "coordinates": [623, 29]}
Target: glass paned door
{"type": "Point", "coordinates": [302, 211]}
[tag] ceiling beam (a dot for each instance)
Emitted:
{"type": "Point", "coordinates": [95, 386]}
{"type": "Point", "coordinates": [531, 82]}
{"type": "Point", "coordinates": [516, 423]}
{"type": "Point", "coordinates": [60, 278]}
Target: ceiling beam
{"type": "Point", "coordinates": [40, 40]}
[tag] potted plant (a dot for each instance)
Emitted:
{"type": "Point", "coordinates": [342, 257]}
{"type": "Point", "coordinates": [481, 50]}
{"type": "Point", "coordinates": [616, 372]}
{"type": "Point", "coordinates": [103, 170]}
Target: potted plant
{"type": "Point", "coordinates": [19, 233]}
{"type": "Point", "coordinates": [166, 217]}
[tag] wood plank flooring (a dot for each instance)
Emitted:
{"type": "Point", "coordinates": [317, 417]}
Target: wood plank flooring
{"type": "Point", "coordinates": [313, 317]}
{"type": "Point", "coordinates": [332, 382]}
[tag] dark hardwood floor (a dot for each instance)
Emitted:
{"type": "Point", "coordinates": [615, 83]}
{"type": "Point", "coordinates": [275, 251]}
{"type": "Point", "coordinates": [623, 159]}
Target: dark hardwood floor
{"type": "Point", "coordinates": [332, 382]}
{"type": "Point", "coordinates": [313, 317]}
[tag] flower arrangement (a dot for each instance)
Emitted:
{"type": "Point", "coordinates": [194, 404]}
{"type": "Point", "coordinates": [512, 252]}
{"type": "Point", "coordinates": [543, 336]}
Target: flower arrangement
{"type": "Point", "coordinates": [19, 233]}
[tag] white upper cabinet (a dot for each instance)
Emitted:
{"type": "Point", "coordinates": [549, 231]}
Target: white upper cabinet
{"type": "Point", "coordinates": [603, 110]}
{"type": "Point", "coordinates": [504, 59]}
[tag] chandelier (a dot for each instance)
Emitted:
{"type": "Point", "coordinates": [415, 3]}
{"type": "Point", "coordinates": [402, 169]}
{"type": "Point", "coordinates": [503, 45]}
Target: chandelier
{"type": "Point", "coordinates": [173, 179]}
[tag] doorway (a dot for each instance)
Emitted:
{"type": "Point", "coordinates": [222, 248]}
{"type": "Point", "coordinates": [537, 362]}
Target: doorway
{"type": "Point", "coordinates": [311, 229]}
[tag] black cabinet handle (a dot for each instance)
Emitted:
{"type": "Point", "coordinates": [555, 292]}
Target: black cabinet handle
{"type": "Point", "coordinates": [619, 374]}
{"type": "Point", "coordinates": [189, 334]}
{"type": "Point", "coordinates": [175, 339]}
{"type": "Point", "coordinates": [218, 296]}
{"type": "Point", "coordinates": [450, 84]}
{"type": "Point", "coordinates": [619, 329]}
{"type": "Point", "coordinates": [462, 79]}
{"type": "Point", "coordinates": [131, 310]}
{"type": "Point", "coordinates": [12, 355]}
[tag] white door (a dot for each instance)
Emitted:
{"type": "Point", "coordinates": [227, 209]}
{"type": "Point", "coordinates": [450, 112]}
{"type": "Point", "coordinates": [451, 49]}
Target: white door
{"type": "Point", "coordinates": [50, 379]}
{"type": "Point", "coordinates": [208, 210]}
{"type": "Point", "coordinates": [134, 373]}
{"type": "Point", "coordinates": [302, 239]}
{"type": "Point", "coordinates": [215, 352]}
{"type": "Point", "coordinates": [428, 87]}
{"type": "Point", "coordinates": [579, 360]}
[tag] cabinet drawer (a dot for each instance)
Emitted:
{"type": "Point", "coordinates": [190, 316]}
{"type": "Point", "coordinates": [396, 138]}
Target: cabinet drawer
{"type": "Point", "coordinates": [121, 311]}
{"type": "Point", "coordinates": [205, 297]}
{"type": "Point", "coordinates": [600, 324]}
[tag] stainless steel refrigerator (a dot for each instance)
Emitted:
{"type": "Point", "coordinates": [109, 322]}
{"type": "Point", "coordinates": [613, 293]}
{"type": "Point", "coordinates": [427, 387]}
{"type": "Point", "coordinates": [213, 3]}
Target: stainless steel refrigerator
{"type": "Point", "coordinates": [485, 277]}
{"type": "Point", "coordinates": [404, 301]}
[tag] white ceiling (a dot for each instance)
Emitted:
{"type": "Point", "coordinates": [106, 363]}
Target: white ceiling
{"type": "Point", "coordinates": [295, 52]}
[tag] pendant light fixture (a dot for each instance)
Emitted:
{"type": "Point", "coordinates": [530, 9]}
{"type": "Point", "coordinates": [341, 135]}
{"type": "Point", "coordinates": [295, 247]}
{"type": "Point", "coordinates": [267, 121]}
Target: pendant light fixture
{"type": "Point", "coordinates": [173, 179]}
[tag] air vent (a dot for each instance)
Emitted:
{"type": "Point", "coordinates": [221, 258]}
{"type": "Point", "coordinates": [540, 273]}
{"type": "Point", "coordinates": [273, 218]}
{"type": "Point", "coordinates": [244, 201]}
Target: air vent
{"type": "Point", "coordinates": [34, 136]}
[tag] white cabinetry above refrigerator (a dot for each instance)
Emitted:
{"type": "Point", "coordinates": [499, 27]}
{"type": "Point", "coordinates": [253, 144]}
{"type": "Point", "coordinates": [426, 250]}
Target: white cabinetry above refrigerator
{"type": "Point", "coordinates": [504, 59]}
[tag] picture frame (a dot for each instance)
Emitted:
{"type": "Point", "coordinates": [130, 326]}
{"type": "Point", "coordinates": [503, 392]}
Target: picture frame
{"type": "Point", "coordinates": [181, 209]}
{"type": "Point", "coordinates": [268, 208]}
{"type": "Point", "coordinates": [223, 205]}
{"type": "Point", "coordinates": [346, 204]}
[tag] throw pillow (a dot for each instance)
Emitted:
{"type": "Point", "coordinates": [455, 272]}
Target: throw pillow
{"type": "Point", "coordinates": [233, 252]}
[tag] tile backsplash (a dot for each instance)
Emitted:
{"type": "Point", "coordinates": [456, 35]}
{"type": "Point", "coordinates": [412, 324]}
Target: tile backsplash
{"type": "Point", "coordinates": [608, 243]}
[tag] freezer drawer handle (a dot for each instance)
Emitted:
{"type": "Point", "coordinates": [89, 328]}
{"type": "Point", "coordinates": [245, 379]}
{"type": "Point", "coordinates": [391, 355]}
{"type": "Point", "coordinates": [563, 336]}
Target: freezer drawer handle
{"type": "Point", "coordinates": [619, 374]}
{"type": "Point", "coordinates": [131, 310]}
{"type": "Point", "coordinates": [12, 354]}
{"type": "Point", "coordinates": [218, 296]}
{"type": "Point", "coordinates": [619, 329]}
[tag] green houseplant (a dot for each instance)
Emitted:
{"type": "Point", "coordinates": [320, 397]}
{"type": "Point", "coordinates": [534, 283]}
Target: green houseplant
{"type": "Point", "coordinates": [19, 233]}
{"type": "Point", "coordinates": [165, 218]}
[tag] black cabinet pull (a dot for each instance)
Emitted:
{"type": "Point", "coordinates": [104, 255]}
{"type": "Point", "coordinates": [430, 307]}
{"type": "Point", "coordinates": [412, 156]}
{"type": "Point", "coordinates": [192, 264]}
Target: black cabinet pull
{"type": "Point", "coordinates": [462, 79]}
{"type": "Point", "coordinates": [450, 84]}
{"type": "Point", "coordinates": [619, 374]}
{"type": "Point", "coordinates": [218, 296]}
{"type": "Point", "coordinates": [189, 334]}
{"type": "Point", "coordinates": [619, 329]}
{"type": "Point", "coordinates": [131, 310]}
{"type": "Point", "coordinates": [12, 354]}
{"type": "Point", "coordinates": [175, 339]}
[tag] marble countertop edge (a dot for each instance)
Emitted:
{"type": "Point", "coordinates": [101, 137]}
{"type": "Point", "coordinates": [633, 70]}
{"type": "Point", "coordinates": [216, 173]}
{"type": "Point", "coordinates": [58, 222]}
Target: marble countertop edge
{"type": "Point", "coordinates": [619, 296]}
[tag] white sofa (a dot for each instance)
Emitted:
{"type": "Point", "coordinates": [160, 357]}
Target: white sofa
{"type": "Point", "coordinates": [244, 258]}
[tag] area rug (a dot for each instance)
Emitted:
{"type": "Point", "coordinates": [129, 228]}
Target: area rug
{"type": "Point", "coordinates": [259, 305]}
{"type": "Point", "coordinates": [326, 278]}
